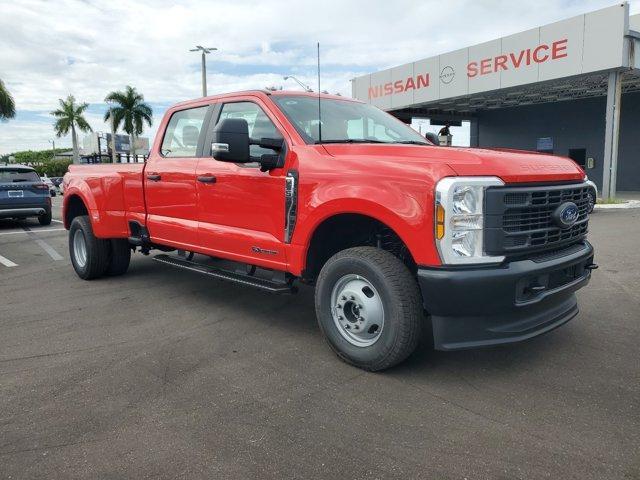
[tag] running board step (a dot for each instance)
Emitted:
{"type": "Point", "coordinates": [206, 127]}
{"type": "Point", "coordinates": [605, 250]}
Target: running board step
{"type": "Point", "coordinates": [248, 280]}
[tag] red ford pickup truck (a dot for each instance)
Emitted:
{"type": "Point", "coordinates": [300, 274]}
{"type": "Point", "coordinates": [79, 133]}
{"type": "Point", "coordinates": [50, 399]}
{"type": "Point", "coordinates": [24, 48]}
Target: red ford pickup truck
{"type": "Point", "coordinates": [483, 247]}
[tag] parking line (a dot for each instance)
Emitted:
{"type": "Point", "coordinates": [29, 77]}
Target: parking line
{"type": "Point", "coordinates": [39, 230]}
{"type": "Point", "coordinates": [57, 221]}
{"type": "Point", "coordinates": [45, 246]}
{"type": "Point", "coordinates": [6, 262]}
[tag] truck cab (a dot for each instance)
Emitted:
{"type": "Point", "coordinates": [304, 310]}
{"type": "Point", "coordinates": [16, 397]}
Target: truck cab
{"type": "Point", "coordinates": [396, 234]}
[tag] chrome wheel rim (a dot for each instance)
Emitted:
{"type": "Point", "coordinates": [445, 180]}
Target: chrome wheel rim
{"type": "Point", "coordinates": [80, 248]}
{"type": "Point", "coordinates": [357, 310]}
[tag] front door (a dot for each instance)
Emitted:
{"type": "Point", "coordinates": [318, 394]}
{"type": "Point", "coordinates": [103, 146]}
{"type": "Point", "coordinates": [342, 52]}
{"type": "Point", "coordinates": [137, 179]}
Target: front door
{"type": "Point", "coordinates": [170, 181]}
{"type": "Point", "coordinates": [241, 209]}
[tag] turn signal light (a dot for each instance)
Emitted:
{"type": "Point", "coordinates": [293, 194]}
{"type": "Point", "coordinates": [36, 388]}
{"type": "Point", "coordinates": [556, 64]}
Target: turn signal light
{"type": "Point", "coordinates": [439, 221]}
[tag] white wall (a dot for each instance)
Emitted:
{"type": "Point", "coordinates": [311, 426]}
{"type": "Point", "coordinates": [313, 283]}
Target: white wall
{"type": "Point", "coordinates": [583, 44]}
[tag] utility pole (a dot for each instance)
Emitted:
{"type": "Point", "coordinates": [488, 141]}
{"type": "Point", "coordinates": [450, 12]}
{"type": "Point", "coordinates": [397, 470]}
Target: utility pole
{"type": "Point", "coordinates": [204, 51]}
{"type": "Point", "coordinates": [53, 142]}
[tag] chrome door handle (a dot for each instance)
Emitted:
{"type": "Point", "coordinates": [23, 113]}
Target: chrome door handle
{"type": "Point", "coordinates": [154, 177]}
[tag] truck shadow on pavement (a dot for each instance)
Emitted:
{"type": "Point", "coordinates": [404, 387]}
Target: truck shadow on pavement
{"type": "Point", "coordinates": [286, 316]}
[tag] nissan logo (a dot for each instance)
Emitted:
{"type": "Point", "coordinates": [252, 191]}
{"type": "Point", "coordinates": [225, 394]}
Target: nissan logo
{"type": "Point", "coordinates": [447, 74]}
{"type": "Point", "coordinates": [566, 215]}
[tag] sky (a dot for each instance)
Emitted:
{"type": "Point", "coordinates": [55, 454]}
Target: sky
{"type": "Point", "coordinates": [50, 49]}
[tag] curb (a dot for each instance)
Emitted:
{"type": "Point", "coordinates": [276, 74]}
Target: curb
{"type": "Point", "coordinates": [618, 206]}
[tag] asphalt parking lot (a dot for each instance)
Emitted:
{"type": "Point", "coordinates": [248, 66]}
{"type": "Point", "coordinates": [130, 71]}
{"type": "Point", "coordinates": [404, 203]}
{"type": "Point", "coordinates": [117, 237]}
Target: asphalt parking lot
{"type": "Point", "coordinates": [165, 374]}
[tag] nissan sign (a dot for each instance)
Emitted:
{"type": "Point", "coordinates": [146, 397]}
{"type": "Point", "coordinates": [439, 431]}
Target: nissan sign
{"type": "Point", "coordinates": [587, 43]}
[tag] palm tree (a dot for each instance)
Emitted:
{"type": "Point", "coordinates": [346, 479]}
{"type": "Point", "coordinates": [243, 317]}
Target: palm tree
{"type": "Point", "coordinates": [7, 105]}
{"type": "Point", "coordinates": [69, 117]}
{"type": "Point", "coordinates": [128, 108]}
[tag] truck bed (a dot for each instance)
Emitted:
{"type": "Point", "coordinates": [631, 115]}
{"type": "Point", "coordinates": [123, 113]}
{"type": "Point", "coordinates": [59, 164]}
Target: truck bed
{"type": "Point", "coordinates": [113, 194]}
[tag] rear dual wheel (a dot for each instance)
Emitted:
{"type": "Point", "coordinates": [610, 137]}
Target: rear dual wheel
{"type": "Point", "coordinates": [369, 308]}
{"type": "Point", "coordinates": [119, 258]}
{"type": "Point", "coordinates": [94, 257]}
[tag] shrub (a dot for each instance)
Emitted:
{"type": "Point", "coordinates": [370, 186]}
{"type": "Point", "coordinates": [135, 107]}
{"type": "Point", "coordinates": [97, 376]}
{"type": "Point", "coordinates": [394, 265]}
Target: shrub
{"type": "Point", "coordinates": [53, 168]}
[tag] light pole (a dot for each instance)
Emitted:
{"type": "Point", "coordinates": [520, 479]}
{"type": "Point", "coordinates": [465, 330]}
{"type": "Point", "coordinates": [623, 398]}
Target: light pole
{"type": "Point", "coordinates": [204, 65]}
{"type": "Point", "coordinates": [305, 87]}
{"type": "Point", "coordinates": [53, 142]}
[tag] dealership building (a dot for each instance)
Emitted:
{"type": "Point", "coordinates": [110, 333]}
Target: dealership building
{"type": "Point", "coordinates": [571, 88]}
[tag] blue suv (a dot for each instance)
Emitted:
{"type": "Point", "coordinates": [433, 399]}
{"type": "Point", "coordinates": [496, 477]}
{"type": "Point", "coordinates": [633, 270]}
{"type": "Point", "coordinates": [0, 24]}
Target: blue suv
{"type": "Point", "coordinates": [23, 194]}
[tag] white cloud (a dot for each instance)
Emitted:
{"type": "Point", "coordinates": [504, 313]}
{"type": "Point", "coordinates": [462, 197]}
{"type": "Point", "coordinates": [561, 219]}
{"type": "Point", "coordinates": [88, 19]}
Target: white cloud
{"type": "Point", "coordinates": [88, 48]}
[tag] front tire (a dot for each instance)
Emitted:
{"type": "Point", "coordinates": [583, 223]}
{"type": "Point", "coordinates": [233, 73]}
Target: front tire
{"type": "Point", "coordinates": [369, 308]}
{"type": "Point", "coordinates": [89, 254]}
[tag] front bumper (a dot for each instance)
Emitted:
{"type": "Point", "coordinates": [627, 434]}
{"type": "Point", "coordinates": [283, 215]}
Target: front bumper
{"type": "Point", "coordinates": [483, 306]}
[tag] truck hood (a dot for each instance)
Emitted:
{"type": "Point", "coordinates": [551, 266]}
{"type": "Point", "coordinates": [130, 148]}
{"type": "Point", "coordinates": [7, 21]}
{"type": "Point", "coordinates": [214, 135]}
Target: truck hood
{"type": "Point", "coordinates": [512, 166]}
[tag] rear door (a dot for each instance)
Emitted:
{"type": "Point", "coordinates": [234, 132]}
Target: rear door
{"type": "Point", "coordinates": [241, 214]}
{"type": "Point", "coordinates": [170, 183]}
{"type": "Point", "coordinates": [21, 188]}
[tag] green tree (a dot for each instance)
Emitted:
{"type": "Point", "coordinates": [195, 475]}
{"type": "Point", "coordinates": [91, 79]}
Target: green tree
{"type": "Point", "coordinates": [129, 110]}
{"type": "Point", "coordinates": [7, 105]}
{"type": "Point", "coordinates": [70, 117]}
{"type": "Point", "coordinates": [53, 168]}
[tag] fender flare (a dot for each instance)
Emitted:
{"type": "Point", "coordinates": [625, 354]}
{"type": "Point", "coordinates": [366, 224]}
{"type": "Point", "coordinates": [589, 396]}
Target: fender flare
{"type": "Point", "coordinates": [84, 193]}
{"type": "Point", "coordinates": [359, 206]}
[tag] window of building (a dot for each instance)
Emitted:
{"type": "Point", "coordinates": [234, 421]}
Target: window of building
{"type": "Point", "coordinates": [578, 155]}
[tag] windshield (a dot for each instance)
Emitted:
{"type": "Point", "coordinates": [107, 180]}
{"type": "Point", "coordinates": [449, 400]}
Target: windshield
{"type": "Point", "coordinates": [344, 121]}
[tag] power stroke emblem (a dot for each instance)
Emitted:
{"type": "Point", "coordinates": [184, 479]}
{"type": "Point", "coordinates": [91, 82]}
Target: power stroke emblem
{"type": "Point", "coordinates": [566, 215]}
{"type": "Point", "coordinates": [263, 251]}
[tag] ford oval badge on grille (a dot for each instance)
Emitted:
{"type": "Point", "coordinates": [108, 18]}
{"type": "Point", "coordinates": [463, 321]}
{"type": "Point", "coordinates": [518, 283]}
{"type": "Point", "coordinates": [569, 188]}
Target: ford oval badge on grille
{"type": "Point", "coordinates": [566, 214]}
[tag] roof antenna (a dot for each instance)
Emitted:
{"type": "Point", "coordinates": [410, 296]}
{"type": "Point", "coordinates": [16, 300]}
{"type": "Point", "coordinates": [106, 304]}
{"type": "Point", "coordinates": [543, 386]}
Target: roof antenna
{"type": "Point", "coordinates": [319, 109]}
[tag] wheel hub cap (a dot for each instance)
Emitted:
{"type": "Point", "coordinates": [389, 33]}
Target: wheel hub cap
{"type": "Point", "coordinates": [357, 310]}
{"type": "Point", "coordinates": [80, 248]}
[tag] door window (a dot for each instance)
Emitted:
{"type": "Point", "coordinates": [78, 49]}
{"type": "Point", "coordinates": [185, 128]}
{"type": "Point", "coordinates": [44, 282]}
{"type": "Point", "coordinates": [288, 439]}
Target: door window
{"type": "Point", "coordinates": [183, 131]}
{"type": "Point", "coordinates": [260, 125]}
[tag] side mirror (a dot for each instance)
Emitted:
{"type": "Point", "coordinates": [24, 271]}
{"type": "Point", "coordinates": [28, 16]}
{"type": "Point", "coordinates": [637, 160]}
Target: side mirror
{"type": "Point", "coordinates": [270, 161]}
{"type": "Point", "coordinates": [433, 138]}
{"type": "Point", "coordinates": [271, 143]}
{"type": "Point", "coordinates": [231, 141]}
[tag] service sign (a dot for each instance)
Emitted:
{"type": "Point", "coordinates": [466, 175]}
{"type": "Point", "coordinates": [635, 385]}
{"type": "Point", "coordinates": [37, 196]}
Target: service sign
{"type": "Point", "coordinates": [583, 44]}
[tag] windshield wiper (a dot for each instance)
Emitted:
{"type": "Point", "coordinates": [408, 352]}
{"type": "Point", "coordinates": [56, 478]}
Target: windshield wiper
{"type": "Point", "coordinates": [351, 140]}
{"type": "Point", "coordinates": [412, 142]}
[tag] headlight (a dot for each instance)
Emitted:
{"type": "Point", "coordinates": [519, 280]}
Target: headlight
{"type": "Point", "coordinates": [459, 219]}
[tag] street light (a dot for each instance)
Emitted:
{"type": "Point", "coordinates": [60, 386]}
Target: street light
{"type": "Point", "coordinates": [204, 51]}
{"type": "Point", "coordinates": [305, 87]}
{"type": "Point", "coordinates": [53, 142]}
